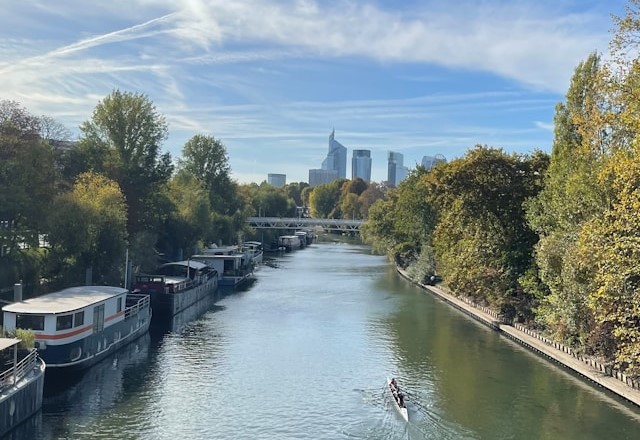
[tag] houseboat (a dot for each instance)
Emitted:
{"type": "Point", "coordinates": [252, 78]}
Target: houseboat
{"type": "Point", "coordinates": [21, 384]}
{"type": "Point", "coordinates": [234, 267]}
{"type": "Point", "coordinates": [302, 236]}
{"type": "Point", "coordinates": [289, 242]}
{"type": "Point", "coordinates": [78, 326]}
{"type": "Point", "coordinates": [254, 250]}
{"type": "Point", "coordinates": [177, 285]}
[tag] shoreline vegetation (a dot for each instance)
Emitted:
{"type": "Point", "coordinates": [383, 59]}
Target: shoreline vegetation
{"type": "Point", "coordinates": [548, 241]}
{"type": "Point", "coordinates": [585, 367]}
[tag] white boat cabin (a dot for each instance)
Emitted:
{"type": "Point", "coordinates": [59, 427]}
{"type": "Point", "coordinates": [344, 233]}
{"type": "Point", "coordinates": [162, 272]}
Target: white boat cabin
{"type": "Point", "coordinates": [68, 315]}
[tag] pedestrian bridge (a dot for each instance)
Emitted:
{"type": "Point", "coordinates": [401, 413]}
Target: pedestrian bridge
{"type": "Point", "coordinates": [328, 224]}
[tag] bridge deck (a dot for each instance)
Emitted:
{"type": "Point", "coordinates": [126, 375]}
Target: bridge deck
{"type": "Point", "coordinates": [301, 223]}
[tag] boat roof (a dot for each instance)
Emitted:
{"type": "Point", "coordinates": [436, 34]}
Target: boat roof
{"type": "Point", "coordinates": [256, 243]}
{"type": "Point", "coordinates": [217, 257]}
{"type": "Point", "coordinates": [66, 300]}
{"type": "Point", "coordinates": [192, 264]}
{"type": "Point", "coordinates": [175, 280]}
{"type": "Point", "coordinates": [8, 342]}
{"type": "Point", "coordinates": [214, 249]}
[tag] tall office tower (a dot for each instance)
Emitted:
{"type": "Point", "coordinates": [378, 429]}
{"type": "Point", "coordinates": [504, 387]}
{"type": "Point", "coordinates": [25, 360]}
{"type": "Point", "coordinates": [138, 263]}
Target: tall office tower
{"type": "Point", "coordinates": [430, 161]}
{"type": "Point", "coordinates": [336, 158]}
{"type": "Point", "coordinates": [277, 180]}
{"type": "Point", "coordinates": [396, 171]}
{"type": "Point", "coordinates": [361, 165]}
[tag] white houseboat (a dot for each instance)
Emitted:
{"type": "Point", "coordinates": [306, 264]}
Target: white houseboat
{"type": "Point", "coordinates": [234, 267]}
{"type": "Point", "coordinates": [290, 242]}
{"type": "Point", "coordinates": [76, 327]}
{"type": "Point", "coordinates": [302, 235]}
{"type": "Point", "coordinates": [176, 286]}
{"type": "Point", "coordinates": [21, 384]}
{"type": "Point", "coordinates": [254, 251]}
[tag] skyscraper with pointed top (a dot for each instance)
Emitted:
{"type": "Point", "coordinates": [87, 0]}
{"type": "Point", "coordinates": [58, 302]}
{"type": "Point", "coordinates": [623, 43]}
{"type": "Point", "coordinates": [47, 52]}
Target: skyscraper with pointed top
{"type": "Point", "coordinates": [334, 166]}
{"type": "Point", "coordinates": [336, 157]}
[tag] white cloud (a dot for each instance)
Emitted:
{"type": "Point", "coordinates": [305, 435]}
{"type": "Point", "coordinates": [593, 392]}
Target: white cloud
{"type": "Point", "coordinates": [61, 60]}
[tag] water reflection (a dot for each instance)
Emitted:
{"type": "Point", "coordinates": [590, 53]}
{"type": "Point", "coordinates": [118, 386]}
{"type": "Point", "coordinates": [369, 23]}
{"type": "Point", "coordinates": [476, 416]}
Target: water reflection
{"type": "Point", "coordinates": [304, 353]}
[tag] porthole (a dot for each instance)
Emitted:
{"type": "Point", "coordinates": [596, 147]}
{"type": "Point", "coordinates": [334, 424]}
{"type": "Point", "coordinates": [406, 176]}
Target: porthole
{"type": "Point", "coordinates": [76, 352]}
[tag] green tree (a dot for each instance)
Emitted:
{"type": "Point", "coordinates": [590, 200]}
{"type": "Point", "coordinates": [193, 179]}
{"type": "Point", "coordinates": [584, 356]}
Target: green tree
{"type": "Point", "coordinates": [188, 224]}
{"type": "Point", "coordinates": [122, 140]}
{"type": "Point", "coordinates": [351, 206]}
{"type": "Point", "coordinates": [27, 178]}
{"type": "Point", "coordinates": [206, 158]}
{"type": "Point", "coordinates": [482, 224]}
{"type": "Point", "coordinates": [88, 230]}
{"type": "Point", "coordinates": [572, 195]}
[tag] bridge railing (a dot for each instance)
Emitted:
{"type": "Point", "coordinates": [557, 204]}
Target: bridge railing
{"type": "Point", "coordinates": [299, 223]}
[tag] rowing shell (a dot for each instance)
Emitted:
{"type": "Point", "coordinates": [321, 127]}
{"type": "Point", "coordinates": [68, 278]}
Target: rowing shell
{"type": "Point", "coordinates": [402, 411]}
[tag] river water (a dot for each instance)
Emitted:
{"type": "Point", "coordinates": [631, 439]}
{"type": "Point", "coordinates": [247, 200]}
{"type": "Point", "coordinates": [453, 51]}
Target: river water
{"type": "Point", "coordinates": [304, 353]}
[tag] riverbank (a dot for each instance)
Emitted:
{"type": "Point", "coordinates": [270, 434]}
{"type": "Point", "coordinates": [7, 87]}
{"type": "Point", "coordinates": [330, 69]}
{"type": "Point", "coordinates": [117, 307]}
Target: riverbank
{"type": "Point", "coordinates": [587, 368]}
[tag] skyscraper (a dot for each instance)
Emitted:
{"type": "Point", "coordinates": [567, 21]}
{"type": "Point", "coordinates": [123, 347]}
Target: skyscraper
{"type": "Point", "coordinates": [277, 180]}
{"type": "Point", "coordinates": [361, 165]}
{"type": "Point", "coordinates": [336, 157]}
{"type": "Point", "coordinates": [396, 171]}
{"type": "Point", "coordinates": [430, 161]}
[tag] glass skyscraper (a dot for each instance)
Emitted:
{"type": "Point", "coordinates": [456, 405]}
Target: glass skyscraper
{"type": "Point", "coordinates": [361, 165]}
{"type": "Point", "coordinates": [396, 171]}
{"type": "Point", "coordinates": [336, 158]}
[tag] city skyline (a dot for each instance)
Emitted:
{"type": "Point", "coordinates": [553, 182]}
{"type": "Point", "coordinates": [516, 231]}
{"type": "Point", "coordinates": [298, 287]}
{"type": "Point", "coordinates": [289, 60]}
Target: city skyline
{"type": "Point", "coordinates": [269, 78]}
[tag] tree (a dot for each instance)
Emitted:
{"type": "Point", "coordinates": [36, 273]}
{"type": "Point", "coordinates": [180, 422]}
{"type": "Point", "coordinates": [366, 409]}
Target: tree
{"type": "Point", "coordinates": [482, 242]}
{"type": "Point", "coordinates": [87, 229]}
{"type": "Point", "coordinates": [123, 140]}
{"type": "Point", "coordinates": [27, 177]}
{"type": "Point", "coordinates": [350, 206]}
{"type": "Point", "coordinates": [572, 195]}
{"type": "Point", "coordinates": [188, 225]}
{"type": "Point", "coordinates": [368, 197]}
{"type": "Point", "coordinates": [206, 159]}
{"type": "Point", "coordinates": [294, 191]}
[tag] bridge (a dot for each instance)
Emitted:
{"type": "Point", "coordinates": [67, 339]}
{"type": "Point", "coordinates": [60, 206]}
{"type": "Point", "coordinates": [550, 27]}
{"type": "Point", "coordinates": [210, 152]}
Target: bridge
{"type": "Point", "coordinates": [328, 224]}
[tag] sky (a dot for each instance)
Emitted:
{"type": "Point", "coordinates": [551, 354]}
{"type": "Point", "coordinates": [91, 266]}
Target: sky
{"type": "Point", "coordinates": [272, 78]}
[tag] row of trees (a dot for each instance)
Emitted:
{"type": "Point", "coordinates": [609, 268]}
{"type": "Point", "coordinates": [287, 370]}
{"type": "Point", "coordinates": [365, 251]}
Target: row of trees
{"type": "Point", "coordinates": [66, 207]}
{"type": "Point", "coordinates": [549, 240]}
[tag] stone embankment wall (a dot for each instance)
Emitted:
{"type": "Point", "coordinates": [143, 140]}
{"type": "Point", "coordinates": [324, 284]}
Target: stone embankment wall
{"type": "Point", "coordinates": [591, 369]}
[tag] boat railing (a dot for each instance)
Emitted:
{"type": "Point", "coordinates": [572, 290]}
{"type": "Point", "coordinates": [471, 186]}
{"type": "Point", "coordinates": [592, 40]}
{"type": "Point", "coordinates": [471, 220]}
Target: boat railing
{"type": "Point", "coordinates": [141, 303]}
{"type": "Point", "coordinates": [21, 369]}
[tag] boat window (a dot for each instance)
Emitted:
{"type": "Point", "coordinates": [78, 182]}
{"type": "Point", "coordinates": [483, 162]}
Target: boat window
{"type": "Point", "coordinates": [31, 322]}
{"type": "Point", "coordinates": [64, 322]}
{"type": "Point", "coordinates": [120, 304]}
{"type": "Point", "coordinates": [78, 319]}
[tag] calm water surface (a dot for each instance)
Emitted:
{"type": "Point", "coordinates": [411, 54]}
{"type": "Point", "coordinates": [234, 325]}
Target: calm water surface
{"type": "Point", "coordinates": [304, 354]}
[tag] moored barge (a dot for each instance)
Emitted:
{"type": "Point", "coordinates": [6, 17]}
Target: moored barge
{"type": "Point", "coordinates": [78, 326]}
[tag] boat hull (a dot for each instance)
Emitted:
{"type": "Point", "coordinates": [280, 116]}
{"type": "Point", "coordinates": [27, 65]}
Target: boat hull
{"type": "Point", "coordinates": [20, 402]}
{"type": "Point", "coordinates": [169, 304]}
{"type": "Point", "coordinates": [96, 346]}
{"type": "Point", "coordinates": [403, 412]}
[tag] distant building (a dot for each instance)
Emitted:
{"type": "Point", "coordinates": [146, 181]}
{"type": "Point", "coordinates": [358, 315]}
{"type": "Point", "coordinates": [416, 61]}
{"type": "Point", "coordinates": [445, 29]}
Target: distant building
{"type": "Point", "coordinates": [336, 157]}
{"type": "Point", "coordinates": [396, 171]}
{"type": "Point", "coordinates": [320, 177]}
{"type": "Point", "coordinates": [277, 180]}
{"type": "Point", "coordinates": [430, 161]}
{"type": "Point", "coordinates": [361, 165]}
{"type": "Point", "coordinates": [334, 166]}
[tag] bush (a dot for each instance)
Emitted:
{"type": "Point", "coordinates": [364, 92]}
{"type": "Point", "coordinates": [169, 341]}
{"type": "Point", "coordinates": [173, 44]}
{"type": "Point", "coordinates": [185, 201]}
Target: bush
{"type": "Point", "coordinates": [27, 338]}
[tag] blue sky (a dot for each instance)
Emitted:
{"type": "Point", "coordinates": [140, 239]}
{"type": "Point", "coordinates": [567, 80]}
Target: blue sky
{"type": "Point", "coordinates": [271, 79]}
